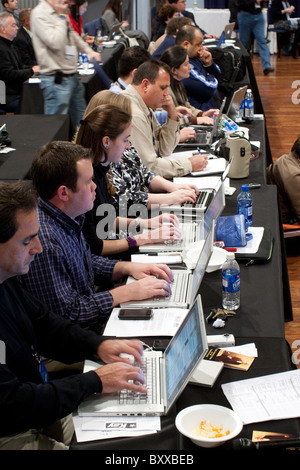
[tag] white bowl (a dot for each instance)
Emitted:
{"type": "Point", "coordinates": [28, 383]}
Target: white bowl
{"type": "Point", "coordinates": [190, 418]}
{"type": "Point", "coordinates": [217, 259]}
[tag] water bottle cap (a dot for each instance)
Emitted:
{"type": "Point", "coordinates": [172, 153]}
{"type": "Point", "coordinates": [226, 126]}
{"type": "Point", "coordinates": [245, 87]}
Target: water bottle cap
{"type": "Point", "coordinates": [245, 187]}
{"type": "Point", "coordinates": [230, 255]}
{"type": "Point", "coordinates": [249, 90]}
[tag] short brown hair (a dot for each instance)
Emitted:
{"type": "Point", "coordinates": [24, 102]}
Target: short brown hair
{"type": "Point", "coordinates": [149, 70]}
{"type": "Point", "coordinates": [54, 165]}
{"type": "Point", "coordinates": [14, 198]}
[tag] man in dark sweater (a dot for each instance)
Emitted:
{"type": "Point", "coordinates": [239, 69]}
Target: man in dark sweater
{"type": "Point", "coordinates": [23, 42]}
{"type": "Point", "coordinates": [35, 410]}
{"type": "Point", "coordinates": [12, 71]}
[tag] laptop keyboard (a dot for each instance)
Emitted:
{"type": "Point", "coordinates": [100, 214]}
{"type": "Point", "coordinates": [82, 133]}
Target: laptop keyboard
{"type": "Point", "coordinates": [178, 294]}
{"type": "Point", "coordinates": [204, 198]}
{"type": "Point", "coordinates": [130, 397]}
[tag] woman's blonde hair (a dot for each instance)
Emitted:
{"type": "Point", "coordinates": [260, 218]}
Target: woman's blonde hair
{"type": "Point", "coordinates": [108, 97]}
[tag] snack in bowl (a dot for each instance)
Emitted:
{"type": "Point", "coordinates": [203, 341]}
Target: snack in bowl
{"type": "Point", "coordinates": [206, 429]}
{"type": "Point", "coordinates": [208, 425]}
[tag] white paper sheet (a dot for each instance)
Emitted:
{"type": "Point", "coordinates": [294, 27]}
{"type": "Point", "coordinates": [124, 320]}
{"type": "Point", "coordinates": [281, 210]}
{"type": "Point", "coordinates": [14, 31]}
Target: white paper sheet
{"type": "Point", "coordinates": [252, 245]}
{"type": "Point", "coordinates": [168, 258]}
{"type": "Point", "coordinates": [94, 428]}
{"type": "Point", "coordinates": [164, 322]}
{"type": "Point", "coordinates": [214, 165]}
{"type": "Point", "coordinates": [271, 397]}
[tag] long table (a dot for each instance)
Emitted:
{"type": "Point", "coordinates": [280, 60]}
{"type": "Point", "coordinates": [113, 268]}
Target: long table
{"type": "Point", "coordinates": [27, 134]}
{"type": "Point", "coordinates": [260, 319]}
{"type": "Point", "coordinates": [32, 101]}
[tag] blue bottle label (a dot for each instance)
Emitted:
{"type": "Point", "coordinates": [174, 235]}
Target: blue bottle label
{"type": "Point", "coordinates": [231, 282]}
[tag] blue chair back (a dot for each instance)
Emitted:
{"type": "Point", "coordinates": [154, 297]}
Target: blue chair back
{"type": "Point", "coordinates": [92, 27]}
{"type": "Point", "coordinates": [104, 78]}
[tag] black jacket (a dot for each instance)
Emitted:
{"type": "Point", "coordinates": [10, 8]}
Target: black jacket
{"type": "Point", "coordinates": [249, 7]}
{"type": "Point", "coordinates": [12, 72]}
{"type": "Point", "coordinates": [26, 327]}
{"type": "Point", "coordinates": [23, 45]}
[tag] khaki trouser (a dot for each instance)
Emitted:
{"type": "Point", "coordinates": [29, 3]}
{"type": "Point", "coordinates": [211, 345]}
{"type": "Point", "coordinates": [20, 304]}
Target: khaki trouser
{"type": "Point", "coordinates": [57, 436]}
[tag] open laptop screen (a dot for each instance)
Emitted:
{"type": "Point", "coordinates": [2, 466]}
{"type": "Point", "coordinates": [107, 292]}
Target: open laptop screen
{"type": "Point", "coordinates": [215, 208]}
{"type": "Point", "coordinates": [187, 347]}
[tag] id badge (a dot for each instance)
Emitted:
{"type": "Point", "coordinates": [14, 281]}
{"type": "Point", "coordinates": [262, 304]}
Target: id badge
{"type": "Point", "coordinates": [70, 51]}
{"type": "Point", "coordinates": [43, 371]}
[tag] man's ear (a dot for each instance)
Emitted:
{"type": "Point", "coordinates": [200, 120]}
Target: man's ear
{"type": "Point", "coordinates": [145, 84]}
{"type": "Point", "coordinates": [63, 193]}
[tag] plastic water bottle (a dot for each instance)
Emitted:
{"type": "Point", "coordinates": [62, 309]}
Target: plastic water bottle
{"type": "Point", "coordinates": [241, 111]}
{"type": "Point", "coordinates": [85, 61]}
{"type": "Point", "coordinates": [230, 283]}
{"type": "Point", "coordinates": [244, 203]}
{"type": "Point", "coordinates": [249, 106]}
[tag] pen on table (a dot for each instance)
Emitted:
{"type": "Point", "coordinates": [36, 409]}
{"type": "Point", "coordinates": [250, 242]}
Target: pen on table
{"type": "Point", "coordinates": [254, 185]}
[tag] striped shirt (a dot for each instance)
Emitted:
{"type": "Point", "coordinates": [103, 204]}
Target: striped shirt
{"type": "Point", "coordinates": [63, 275]}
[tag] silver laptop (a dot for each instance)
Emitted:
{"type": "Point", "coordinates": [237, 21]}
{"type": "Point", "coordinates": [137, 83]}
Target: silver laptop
{"type": "Point", "coordinates": [216, 206]}
{"type": "Point", "coordinates": [205, 135]}
{"type": "Point", "coordinates": [228, 30]}
{"type": "Point", "coordinates": [170, 371]}
{"type": "Point", "coordinates": [233, 108]}
{"type": "Point", "coordinates": [185, 286]}
{"type": "Point", "coordinates": [115, 31]}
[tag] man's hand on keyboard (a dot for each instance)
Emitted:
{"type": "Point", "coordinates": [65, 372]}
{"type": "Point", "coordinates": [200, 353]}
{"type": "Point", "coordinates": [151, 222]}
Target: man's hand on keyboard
{"type": "Point", "coordinates": [147, 288]}
{"type": "Point", "coordinates": [113, 350]}
{"type": "Point", "coordinates": [118, 376]}
{"type": "Point", "coordinates": [142, 270]}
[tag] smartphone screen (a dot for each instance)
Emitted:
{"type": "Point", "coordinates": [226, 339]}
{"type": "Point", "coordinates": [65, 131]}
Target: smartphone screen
{"type": "Point", "coordinates": [135, 313]}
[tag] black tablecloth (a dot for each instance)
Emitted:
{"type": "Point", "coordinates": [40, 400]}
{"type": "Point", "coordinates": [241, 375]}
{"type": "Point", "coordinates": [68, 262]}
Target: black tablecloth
{"type": "Point", "coordinates": [260, 319]}
{"type": "Point", "coordinates": [28, 134]}
{"type": "Point", "coordinates": [32, 101]}
{"type": "Point", "coordinates": [274, 356]}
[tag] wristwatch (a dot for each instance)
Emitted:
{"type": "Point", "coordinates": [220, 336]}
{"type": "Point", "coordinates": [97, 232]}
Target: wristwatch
{"type": "Point", "coordinates": [131, 242]}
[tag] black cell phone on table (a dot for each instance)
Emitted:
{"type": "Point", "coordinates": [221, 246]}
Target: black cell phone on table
{"type": "Point", "coordinates": [135, 313]}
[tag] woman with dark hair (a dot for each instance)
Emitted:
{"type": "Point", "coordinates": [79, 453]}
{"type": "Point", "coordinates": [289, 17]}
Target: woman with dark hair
{"type": "Point", "coordinates": [112, 16]}
{"type": "Point", "coordinates": [77, 9]}
{"type": "Point", "coordinates": [177, 59]}
{"type": "Point", "coordinates": [106, 130]}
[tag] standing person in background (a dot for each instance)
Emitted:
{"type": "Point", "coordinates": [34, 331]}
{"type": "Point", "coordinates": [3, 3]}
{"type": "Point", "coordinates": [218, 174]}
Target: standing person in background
{"type": "Point", "coordinates": [56, 47]}
{"type": "Point", "coordinates": [251, 20]}
{"type": "Point", "coordinates": [112, 16]}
